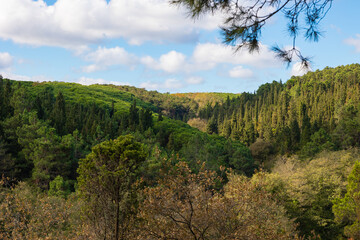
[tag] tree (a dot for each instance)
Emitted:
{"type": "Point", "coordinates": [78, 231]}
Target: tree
{"type": "Point", "coordinates": [59, 114]}
{"type": "Point", "coordinates": [347, 132]}
{"type": "Point", "coordinates": [261, 150]}
{"type": "Point", "coordinates": [185, 205]}
{"type": "Point", "coordinates": [49, 153]}
{"type": "Point", "coordinates": [106, 183]}
{"type": "Point", "coordinates": [347, 209]}
{"type": "Point", "coordinates": [59, 188]}
{"type": "Point", "coordinates": [7, 163]}
{"type": "Point", "coordinates": [245, 19]}
{"type": "Point", "coordinates": [133, 116]}
{"type": "Point", "coordinates": [27, 213]}
{"type": "Point", "coordinates": [212, 126]}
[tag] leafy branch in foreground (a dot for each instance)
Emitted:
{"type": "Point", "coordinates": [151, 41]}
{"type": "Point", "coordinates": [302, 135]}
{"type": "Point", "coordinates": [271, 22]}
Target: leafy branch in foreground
{"type": "Point", "coordinates": [244, 21]}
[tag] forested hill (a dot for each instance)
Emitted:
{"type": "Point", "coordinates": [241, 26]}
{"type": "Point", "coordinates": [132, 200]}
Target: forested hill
{"type": "Point", "coordinates": [76, 159]}
{"type": "Point", "coordinates": [303, 115]}
{"type": "Point", "coordinates": [45, 128]}
{"type": "Point", "coordinates": [317, 111]}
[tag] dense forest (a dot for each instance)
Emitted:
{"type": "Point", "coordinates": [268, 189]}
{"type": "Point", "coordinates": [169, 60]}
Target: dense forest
{"type": "Point", "coordinates": [119, 162]}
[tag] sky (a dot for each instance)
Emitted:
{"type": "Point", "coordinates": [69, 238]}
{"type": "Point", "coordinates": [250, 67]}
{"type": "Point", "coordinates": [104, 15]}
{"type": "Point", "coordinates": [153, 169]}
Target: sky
{"type": "Point", "coordinates": [153, 45]}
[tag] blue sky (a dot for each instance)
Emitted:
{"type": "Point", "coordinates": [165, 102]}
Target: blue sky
{"type": "Point", "coordinates": [150, 44]}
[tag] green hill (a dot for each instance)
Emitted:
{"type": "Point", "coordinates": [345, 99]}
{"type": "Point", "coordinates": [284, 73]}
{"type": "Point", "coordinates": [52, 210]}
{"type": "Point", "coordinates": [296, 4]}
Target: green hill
{"type": "Point", "coordinates": [45, 128]}
{"type": "Point", "coordinates": [309, 113]}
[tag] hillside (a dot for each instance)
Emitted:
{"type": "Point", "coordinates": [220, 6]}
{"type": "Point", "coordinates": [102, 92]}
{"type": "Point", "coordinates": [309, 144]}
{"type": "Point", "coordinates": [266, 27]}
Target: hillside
{"type": "Point", "coordinates": [72, 118]}
{"type": "Point", "coordinates": [280, 163]}
{"type": "Point", "coordinates": [306, 114]}
{"type": "Point", "coordinates": [202, 99]}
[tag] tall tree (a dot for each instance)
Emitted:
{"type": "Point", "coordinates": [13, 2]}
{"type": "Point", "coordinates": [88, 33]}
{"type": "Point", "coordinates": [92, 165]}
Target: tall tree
{"type": "Point", "coordinates": [59, 114]}
{"type": "Point", "coordinates": [106, 182]}
{"type": "Point", "coordinates": [347, 208]}
{"type": "Point", "coordinates": [133, 116]}
{"type": "Point", "coordinates": [49, 153]}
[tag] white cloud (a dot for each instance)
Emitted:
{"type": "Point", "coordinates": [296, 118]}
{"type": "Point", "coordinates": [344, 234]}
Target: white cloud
{"type": "Point", "coordinates": [171, 62]}
{"type": "Point", "coordinates": [6, 60]}
{"type": "Point", "coordinates": [194, 80]}
{"type": "Point", "coordinates": [76, 23]}
{"type": "Point", "coordinates": [89, 81]}
{"type": "Point", "coordinates": [354, 42]}
{"type": "Point", "coordinates": [106, 57]}
{"type": "Point", "coordinates": [171, 84]}
{"type": "Point", "coordinates": [168, 84]}
{"type": "Point", "coordinates": [39, 78]}
{"type": "Point", "coordinates": [298, 70]}
{"type": "Point", "coordinates": [240, 72]}
{"type": "Point", "coordinates": [209, 55]}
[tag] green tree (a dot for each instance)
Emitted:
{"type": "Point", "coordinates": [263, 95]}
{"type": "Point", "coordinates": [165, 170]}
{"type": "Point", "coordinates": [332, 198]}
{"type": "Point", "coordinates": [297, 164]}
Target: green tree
{"type": "Point", "coordinates": [320, 141]}
{"type": "Point", "coordinates": [59, 187]}
{"type": "Point", "coordinates": [6, 109]}
{"type": "Point", "coordinates": [212, 126]}
{"type": "Point", "coordinates": [106, 182]}
{"type": "Point", "coordinates": [59, 114]}
{"type": "Point", "coordinates": [20, 100]}
{"type": "Point", "coordinates": [347, 208]}
{"type": "Point", "coordinates": [133, 116]}
{"type": "Point", "coordinates": [49, 153]}
{"type": "Point", "coordinates": [7, 163]}
{"type": "Point", "coordinates": [305, 126]}
{"type": "Point", "coordinates": [347, 132]}
{"type": "Point", "coordinates": [294, 135]}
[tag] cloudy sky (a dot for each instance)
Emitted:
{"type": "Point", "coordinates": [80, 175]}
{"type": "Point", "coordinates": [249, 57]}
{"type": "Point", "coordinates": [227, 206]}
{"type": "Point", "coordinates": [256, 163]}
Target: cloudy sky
{"type": "Point", "coordinates": [150, 44]}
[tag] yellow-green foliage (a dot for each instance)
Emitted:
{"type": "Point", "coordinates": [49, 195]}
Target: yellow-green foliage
{"type": "Point", "coordinates": [347, 208]}
{"type": "Point", "coordinates": [198, 123]}
{"type": "Point", "coordinates": [307, 188]}
{"type": "Point", "coordinates": [184, 205]}
{"type": "Point", "coordinates": [99, 94]}
{"type": "Point", "coordinates": [204, 98]}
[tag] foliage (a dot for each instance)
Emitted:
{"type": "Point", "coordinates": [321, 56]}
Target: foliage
{"type": "Point", "coordinates": [307, 115]}
{"type": "Point", "coordinates": [106, 183]}
{"type": "Point", "coordinates": [244, 21]}
{"type": "Point", "coordinates": [261, 150]}
{"type": "Point", "coordinates": [25, 213]}
{"type": "Point", "coordinates": [184, 205]}
{"type": "Point", "coordinates": [347, 208]}
{"type": "Point", "coordinates": [47, 135]}
{"type": "Point", "coordinates": [308, 188]}
{"type": "Point", "coordinates": [198, 123]}
{"type": "Point", "coordinates": [323, 103]}
{"type": "Point", "coordinates": [59, 188]}
{"type": "Point", "coordinates": [204, 98]}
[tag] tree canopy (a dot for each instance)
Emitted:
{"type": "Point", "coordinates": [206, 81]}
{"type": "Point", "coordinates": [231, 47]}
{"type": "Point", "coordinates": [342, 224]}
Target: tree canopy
{"type": "Point", "coordinates": [106, 182]}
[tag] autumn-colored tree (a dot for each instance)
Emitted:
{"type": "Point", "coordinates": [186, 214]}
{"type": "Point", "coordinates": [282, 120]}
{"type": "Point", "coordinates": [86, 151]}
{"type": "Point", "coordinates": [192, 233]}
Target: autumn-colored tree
{"type": "Point", "coordinates": [185, 205]}
{"type": "Point", "coordinates": [26, 213]}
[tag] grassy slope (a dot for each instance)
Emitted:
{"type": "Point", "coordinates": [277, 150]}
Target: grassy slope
{"type": "Point", "coordinates": [100, 94]}
{"type": "Point", "coordinates": [203, 98]}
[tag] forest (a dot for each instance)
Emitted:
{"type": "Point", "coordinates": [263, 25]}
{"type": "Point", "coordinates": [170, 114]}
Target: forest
{"type": "Point", "coordinates": [119, 162]}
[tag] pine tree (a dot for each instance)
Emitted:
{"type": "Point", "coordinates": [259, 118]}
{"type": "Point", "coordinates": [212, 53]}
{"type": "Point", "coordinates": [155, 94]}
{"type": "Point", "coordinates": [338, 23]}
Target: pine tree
{"type": "Point", "coordinates": [59, 114]}
{"type": "Point", "coordinates": [133, 116]}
